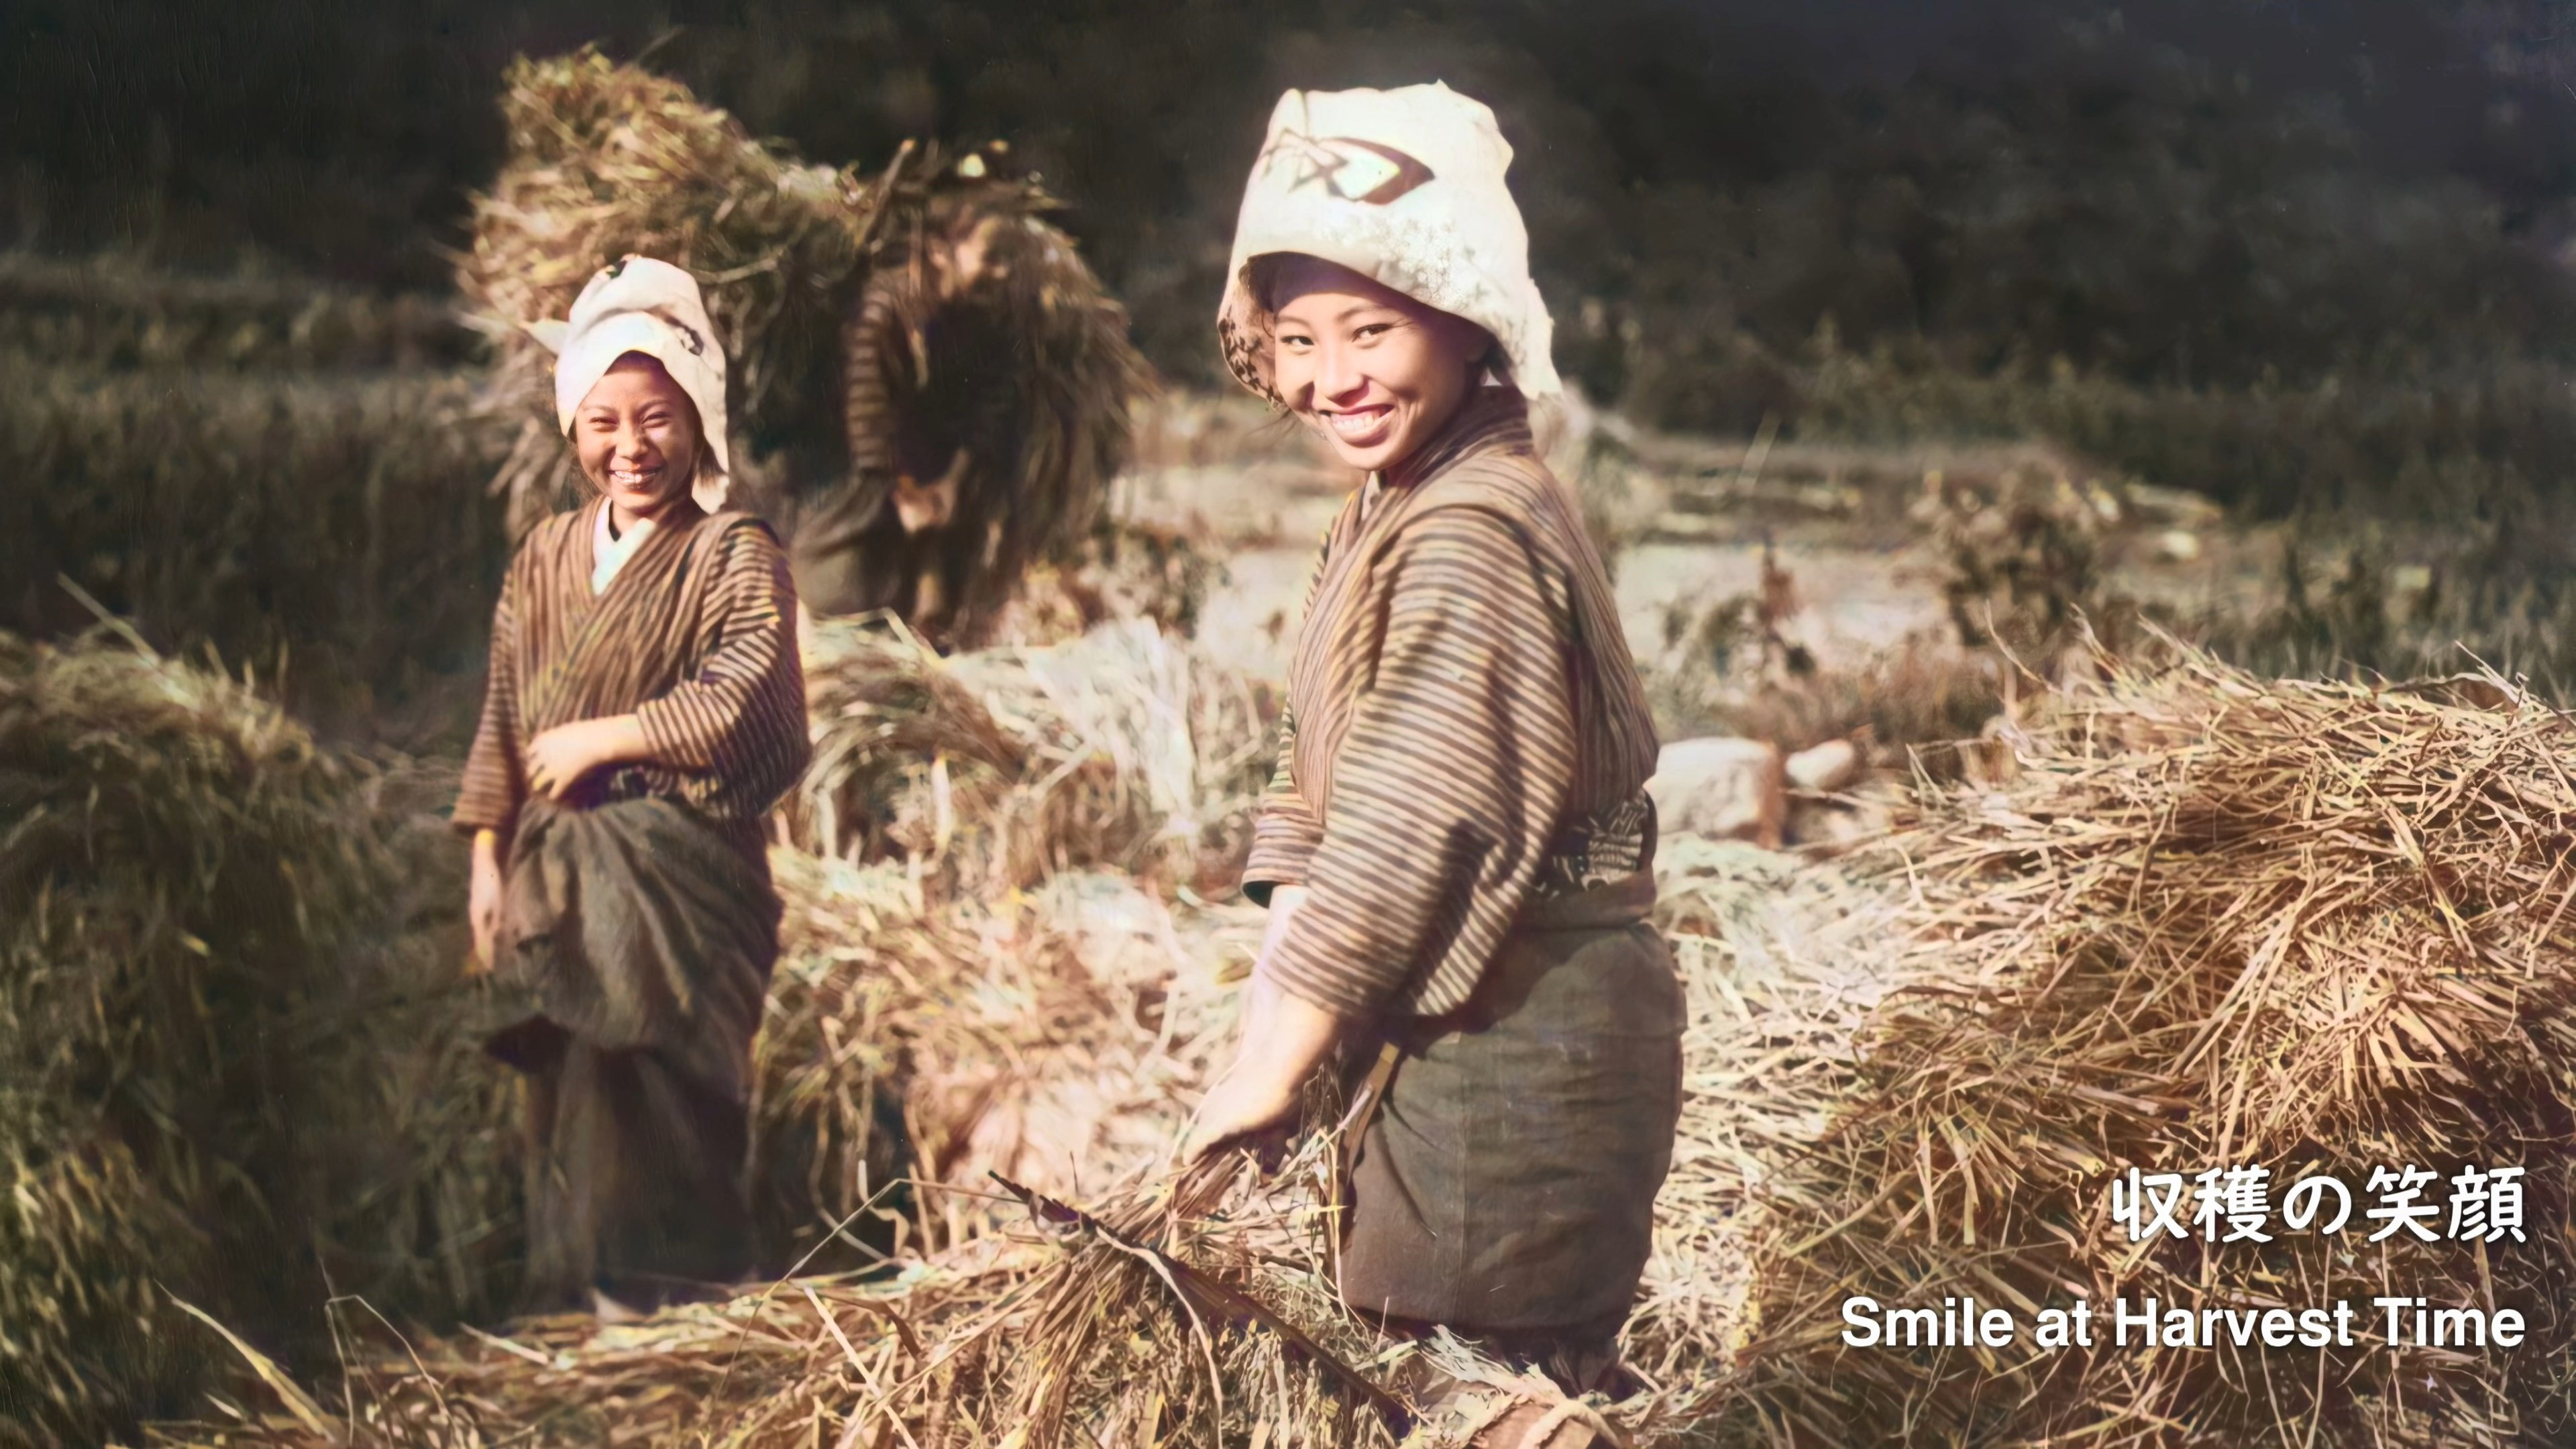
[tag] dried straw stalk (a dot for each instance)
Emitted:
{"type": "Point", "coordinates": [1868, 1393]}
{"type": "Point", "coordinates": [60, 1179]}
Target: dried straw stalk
{"type": "Point", "coordinates": [2213, 921]}
{"type": "Point", "coordinates": [995, 769]}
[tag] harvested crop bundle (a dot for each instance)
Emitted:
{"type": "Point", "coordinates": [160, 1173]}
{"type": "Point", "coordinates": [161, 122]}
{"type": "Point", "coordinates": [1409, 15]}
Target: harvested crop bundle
{"type": "Point", "coordinates": [2213, 922]}
{"type": "Point", "coordinates": [608, 159]}
{"type": "Point", "coordinates": [209, 1034]}
{"type": "Point", "coordinates": [992, 769]}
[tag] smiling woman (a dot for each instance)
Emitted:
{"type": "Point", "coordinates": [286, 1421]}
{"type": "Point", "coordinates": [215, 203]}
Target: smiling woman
{"type": "Point", "coordinates": [646, 708]}
{"type": "Point", "coordinates": [1457, 849]}
{"type": "Point", "coordinates": [630, 427]}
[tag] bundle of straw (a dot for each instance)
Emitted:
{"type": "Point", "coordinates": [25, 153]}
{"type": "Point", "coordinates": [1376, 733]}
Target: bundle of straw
{"type": "Point", "coordinates": [1046, 1036]}
{"type": "Point", "coordinates": [1150, 1324]}
{"type": "Point", "coordinates": [2214, 921]}
{"type": "Point", "coordinates": [994, 769]}
{"type": "Point", "coordinates": [208, 1022]}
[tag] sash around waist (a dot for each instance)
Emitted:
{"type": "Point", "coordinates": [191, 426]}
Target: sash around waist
{"type": "Point", "coordinates": [1604, 907]}
{"type": "Point", "coordinates": [1589, 941]}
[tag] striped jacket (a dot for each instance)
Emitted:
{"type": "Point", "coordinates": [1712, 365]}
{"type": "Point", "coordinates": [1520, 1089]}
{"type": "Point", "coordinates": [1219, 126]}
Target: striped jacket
{"type": "Point", "coordinates": [695, 636]}
{"type": "Point", "coordinates": [1465, 730]}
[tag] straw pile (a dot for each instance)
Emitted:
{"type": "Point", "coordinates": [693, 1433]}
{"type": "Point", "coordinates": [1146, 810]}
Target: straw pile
{"type": "Point", "coordinates": [607, 160]}
{"type": "Point", "coordinates": [992, 770]}
{"type": "Point", "coordinates": [1048, 1035]}
{"type": "Point", "coordinates": [203, 987]}
{"type": "Point", "coordinates": [2214, 921]}
{"type": "Point", "coordinates": [2208, 920]}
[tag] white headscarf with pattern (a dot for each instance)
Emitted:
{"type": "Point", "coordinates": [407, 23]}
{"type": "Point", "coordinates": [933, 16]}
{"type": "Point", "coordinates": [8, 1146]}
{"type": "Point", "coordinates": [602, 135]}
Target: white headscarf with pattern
{"type": "Point", "coordinates": [642, 305]}
{"type": "Point", "coordinates": [1402, 186]}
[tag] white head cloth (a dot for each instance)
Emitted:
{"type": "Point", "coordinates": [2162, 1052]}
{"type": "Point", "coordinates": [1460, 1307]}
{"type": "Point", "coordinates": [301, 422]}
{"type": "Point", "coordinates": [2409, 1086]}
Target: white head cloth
{"type": "Point", "coordinates": [641, 305]}
{"type": "Point", "coordinates": [1403, 186]}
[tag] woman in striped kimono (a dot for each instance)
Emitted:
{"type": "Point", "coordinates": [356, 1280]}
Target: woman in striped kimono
{"type": "Point", "coordinates": [645, 710]}
{"type": "Point", "coordinates": [1457, 849]}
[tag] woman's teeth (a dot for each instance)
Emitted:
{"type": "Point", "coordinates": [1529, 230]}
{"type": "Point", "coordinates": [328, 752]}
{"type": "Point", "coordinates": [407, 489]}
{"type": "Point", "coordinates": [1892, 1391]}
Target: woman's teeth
{"type": "Point", "coordinates": [632, 477]}
{"type": "Point", "coordinates": [1359, 423]}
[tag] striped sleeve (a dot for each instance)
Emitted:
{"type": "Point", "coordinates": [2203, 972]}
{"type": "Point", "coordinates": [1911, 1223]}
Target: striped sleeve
{"type": "Point", "coordinates": [494, 783]}
{"type": "Point", "coordinates": [1285, 832]}
{"type": "Point", "coordinates": [876, 362]}
{"type": "Point", "coordinates": [741, 717]}
{"type": "Point", "coordinates": [1447, 788]}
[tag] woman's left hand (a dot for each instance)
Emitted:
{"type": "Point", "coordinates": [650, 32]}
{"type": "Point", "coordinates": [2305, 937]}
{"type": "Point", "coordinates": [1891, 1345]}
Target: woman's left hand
{"type": "Point", "coordinates": [558, 758]}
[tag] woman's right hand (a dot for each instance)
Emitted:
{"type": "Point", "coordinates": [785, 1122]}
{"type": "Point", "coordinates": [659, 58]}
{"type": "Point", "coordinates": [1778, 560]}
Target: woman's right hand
{"type": "Point", "coordinates": [483, 900]}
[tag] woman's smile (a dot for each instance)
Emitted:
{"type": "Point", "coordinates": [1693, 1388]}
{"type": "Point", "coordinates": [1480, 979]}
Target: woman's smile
{"type": "Point", "coordinates": [1360, 427]}
{"type": "Point", "coordinates": [634, 422]}
{"type": "Point", "coordinates": [1375, 372]}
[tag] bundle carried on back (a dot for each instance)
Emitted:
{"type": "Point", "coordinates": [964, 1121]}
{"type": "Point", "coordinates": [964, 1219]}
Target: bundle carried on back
{"type": "Point", "coordinates": [608, 159]}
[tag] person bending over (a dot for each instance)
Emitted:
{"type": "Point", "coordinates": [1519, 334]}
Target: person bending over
{"type": "Point", "coordinates": [1457, 848]}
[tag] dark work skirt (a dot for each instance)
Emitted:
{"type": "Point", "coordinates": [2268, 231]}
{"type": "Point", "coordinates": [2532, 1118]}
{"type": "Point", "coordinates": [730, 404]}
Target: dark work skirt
{"type": "Point", "coordinates": [1507, 1179]}
{"type": "Point", "coordinates": [634, 1176]}
{"type": "Point", "coordinates": [638, 940]}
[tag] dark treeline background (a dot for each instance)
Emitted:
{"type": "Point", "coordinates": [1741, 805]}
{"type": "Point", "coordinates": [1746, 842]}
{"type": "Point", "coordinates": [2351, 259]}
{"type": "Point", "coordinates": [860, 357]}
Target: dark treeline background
{"type": "Point", "coordinates": [2211, 193]}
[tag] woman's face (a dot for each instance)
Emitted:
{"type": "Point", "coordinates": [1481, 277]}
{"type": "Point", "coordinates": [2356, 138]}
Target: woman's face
{"type": "Point", "coordinates": [636, 435]}
{"type": "Point", "coordinates": [1374, 371]}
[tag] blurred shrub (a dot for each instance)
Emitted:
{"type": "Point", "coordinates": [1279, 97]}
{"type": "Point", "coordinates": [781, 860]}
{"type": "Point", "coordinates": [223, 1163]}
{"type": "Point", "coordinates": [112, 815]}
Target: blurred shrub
{"type": "Point", "coordinates": [333, 523]}
{"type": "Point", "coordinates": [2347, 600]}
{"type": "Point", "coordinates": [2430, 446]}
{"type": "Point", "coordinates": [1732, 666]}
{"type": "Point", "coordinates": [117, 312]}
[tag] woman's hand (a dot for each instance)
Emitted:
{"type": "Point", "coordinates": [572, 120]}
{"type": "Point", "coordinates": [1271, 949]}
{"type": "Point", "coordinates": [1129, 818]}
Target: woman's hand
{"type": "Point", "coordinates": [1284, 1039]}
{"type": "Point", "coordinates": [483, 901]}
{"type": "Point", "coordinates": [1247, 1105]}
{"type": "Point", "coordinates": [559, 758]}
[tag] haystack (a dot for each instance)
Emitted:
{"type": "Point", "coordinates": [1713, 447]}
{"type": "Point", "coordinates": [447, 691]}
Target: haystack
{"type": "Point", "coordinates": [1045, 1035]}
{"type": "Point", "coordinates": [608, 159]}
{"type": "Point", "coordinates": [2207, 921]}
{"type": "Point", "coordinates": [210, 1027]}
{"type": "Point", "coordinates": [2214, 922]}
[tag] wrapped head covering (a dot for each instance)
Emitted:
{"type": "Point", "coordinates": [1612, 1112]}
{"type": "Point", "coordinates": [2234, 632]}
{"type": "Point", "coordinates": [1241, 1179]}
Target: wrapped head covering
{"type": "Point", "coordinates": [1403, 186]}
{"type": "Point", "coordinates": [640, 305]}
